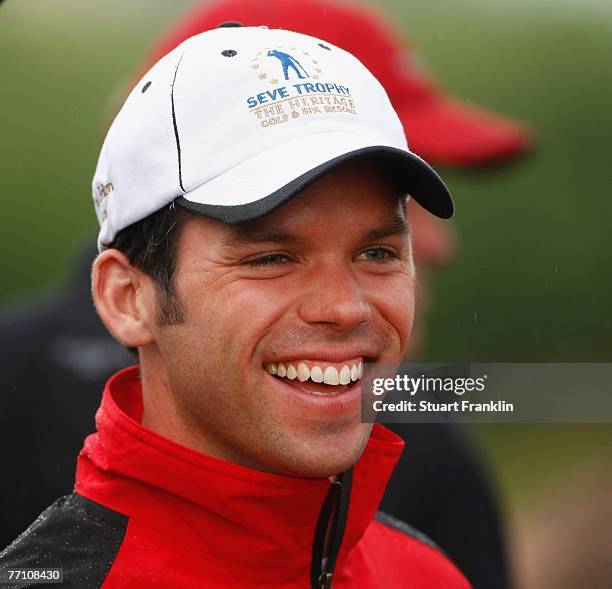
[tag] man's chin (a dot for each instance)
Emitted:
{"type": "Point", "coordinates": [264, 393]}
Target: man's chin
{"type": "Point", "coordinates": [325, 454]}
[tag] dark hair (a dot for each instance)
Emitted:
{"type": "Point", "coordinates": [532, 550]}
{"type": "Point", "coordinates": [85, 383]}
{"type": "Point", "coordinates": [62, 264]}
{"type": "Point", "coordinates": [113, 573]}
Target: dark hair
{"type": "Point", "coordinates": [151, 246]}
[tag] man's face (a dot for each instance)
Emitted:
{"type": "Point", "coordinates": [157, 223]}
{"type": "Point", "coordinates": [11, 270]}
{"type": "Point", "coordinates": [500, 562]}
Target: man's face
{"type": "Point", "coordinates": [324, 281]}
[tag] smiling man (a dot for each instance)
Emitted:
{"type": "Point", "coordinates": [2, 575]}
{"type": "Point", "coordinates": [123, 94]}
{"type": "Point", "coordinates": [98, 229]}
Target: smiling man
{"type": "Point", "coordinates": [254, 250]}
{"type": "Point", "coordinates": [278, 317]}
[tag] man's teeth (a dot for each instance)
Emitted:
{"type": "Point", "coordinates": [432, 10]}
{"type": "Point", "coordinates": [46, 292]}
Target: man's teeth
{"type": "Point", "coordinates": [291, 372]}
{"type": "Point", "coordinates": [328, 375]}
{"type": "Point", "coordinates": [303, 373]}
{"type": "Point", "coordinates": [316, 374]}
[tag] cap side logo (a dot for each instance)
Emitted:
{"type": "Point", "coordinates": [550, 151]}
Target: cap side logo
{"type": "Point", "coordinates": [99, 197]}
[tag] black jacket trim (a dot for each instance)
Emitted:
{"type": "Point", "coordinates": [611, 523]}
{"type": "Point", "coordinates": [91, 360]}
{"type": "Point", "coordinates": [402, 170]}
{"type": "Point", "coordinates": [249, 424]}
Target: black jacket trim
{"type": "Point", "coordinates": [74, 533]}
{"type": "Point", "coordinates": [398, 524]}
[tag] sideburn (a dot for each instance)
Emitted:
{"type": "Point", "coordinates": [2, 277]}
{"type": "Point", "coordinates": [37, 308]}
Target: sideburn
{"type": "Point", "coordinates": [170, 309]}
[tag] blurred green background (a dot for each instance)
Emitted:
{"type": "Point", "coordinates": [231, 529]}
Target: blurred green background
{"type": "Point", "coordinates": [532, 281]}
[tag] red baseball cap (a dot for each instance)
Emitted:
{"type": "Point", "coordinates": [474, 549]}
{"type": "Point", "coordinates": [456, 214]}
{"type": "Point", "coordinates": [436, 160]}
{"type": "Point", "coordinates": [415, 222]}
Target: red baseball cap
{"type": "Point", "coordinates": [440, 128]}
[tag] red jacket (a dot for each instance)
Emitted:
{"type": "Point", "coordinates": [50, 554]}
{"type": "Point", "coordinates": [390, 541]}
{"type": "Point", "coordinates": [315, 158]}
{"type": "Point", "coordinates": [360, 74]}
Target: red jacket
{"type": "Point", "coordinates": [162, 515]}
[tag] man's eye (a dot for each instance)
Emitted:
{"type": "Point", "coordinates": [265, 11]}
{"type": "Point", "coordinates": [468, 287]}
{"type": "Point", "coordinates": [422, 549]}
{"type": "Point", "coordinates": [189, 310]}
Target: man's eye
{"type": "Point", "coordinates": [377, 254]}
{"type": "Point", "coordinates": [269, 260]}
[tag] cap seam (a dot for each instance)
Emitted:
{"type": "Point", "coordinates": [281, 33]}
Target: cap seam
{"type": "Point", "coordinates": [174, 124]}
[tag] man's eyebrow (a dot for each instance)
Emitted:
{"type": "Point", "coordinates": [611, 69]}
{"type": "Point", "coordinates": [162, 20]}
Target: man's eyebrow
{"type": "Point", "coordinates": [243, 236]}
{"type": "Point", "coordinates": [247, 235]}
{"type": "Point", "coordinates": [397, 226]}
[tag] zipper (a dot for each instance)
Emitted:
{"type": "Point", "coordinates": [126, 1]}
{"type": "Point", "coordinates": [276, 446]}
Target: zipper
{"type": "Point", "coordinates": [325, 581]}
{"type": "Point", "coordinates": [329, 531]}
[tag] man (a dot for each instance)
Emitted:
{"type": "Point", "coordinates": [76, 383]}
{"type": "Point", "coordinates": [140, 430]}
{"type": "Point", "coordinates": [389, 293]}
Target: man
{"type": "Point", "coordinates": [449, 132]}
{"type": "Point", "coordinates": [445, 131]}
{"type": "Point", "coordinates": [255, 252]}
{"type": "Point", "coordinates": [68, 349]}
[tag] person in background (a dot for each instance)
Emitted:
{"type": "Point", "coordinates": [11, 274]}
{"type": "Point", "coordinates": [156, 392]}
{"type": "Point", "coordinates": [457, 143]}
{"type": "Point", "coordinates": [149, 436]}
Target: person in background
{"type": "Point", "coordinates": [440, 486]}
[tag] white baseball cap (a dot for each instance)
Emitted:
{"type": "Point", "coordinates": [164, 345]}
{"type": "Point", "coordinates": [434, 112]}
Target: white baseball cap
{"type": "Point", "coordinates": [237, 120]}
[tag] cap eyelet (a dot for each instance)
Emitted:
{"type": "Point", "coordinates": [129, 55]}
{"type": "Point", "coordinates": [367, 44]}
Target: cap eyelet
{"type": "Point", "coordinates": [145, 87]}
{"type": "Point", "coordinates": [324, 46]}
{"type": "Point", "coordinates": [229, 53]}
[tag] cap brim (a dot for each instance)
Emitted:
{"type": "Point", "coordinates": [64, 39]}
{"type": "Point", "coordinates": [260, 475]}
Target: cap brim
{"type": "Point", "coordinates": [449, 132]}
{"type": "Point", "coordinates": [266, 181]}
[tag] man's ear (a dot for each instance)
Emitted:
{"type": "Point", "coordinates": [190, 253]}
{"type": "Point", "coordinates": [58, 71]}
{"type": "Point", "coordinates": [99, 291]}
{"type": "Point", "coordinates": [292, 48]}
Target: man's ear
{"type": "Point", "coordinates": [124, 298]}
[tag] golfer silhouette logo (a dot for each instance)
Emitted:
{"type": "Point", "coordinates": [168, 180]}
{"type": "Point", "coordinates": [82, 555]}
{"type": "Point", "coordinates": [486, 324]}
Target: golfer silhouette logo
{"type": "Point", "coordinates": [287, 61]}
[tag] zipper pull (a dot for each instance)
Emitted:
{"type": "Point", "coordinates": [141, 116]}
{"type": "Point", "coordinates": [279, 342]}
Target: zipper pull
{"type": "Point", "coordinates": [325, 580]}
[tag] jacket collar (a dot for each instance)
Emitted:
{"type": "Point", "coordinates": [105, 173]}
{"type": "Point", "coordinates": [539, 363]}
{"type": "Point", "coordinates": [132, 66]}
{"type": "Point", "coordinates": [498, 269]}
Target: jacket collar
{"type": "Point", "coordinates": [227, 510]}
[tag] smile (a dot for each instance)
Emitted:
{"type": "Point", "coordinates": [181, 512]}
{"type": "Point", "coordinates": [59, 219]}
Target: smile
{"type": "Point", "coordinates": [330, 374]}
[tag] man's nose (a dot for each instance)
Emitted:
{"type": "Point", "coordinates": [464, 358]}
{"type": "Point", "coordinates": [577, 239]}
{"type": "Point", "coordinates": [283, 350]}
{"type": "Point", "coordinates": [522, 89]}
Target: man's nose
{"type": "Point", "coordinates": [334, 297]}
